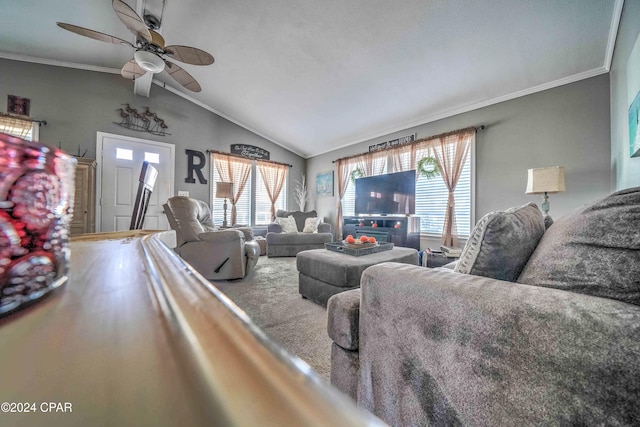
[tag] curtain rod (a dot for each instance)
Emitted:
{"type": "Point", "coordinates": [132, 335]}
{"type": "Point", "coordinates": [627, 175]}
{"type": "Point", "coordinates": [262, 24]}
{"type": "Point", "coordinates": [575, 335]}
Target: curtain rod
{"type": "Point", "coordinates": [243, 157]}
{"type": "Point", "coordinates": [428, 138]}
{"type": "Point", "coordinates": [27, 119]}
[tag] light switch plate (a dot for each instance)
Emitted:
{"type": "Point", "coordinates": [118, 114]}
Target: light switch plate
{"type": "Point", "coordinates": [183, 193]}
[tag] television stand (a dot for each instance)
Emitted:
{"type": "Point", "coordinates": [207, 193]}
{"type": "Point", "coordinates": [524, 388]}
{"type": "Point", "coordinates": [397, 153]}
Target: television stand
{"type": "Point", "coordinates": [400, 230]}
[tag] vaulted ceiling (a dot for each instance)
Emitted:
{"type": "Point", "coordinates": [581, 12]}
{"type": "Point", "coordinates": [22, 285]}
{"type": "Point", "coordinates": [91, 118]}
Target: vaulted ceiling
{"type": "Point", "coordinates": [314, 76]}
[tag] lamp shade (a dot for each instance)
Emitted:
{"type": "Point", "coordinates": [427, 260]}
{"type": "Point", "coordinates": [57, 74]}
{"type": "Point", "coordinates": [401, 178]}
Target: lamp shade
{"type": "Point", "coordinates": [149, 61]}
{"type": "Point", "coordinates": [545, 180]}
{"type": "Point", "coordinates": [224, 190]}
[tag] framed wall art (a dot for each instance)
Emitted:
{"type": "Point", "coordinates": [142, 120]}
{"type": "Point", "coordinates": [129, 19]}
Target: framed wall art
{"type": "Point", "coordinates": [633, 98]}
{"type": "Point", "coordinates": [634, 135]}
{"type": "Point", "coordinates": [18, 106]}
{"type": "Point", "coordinates": [324, 184]}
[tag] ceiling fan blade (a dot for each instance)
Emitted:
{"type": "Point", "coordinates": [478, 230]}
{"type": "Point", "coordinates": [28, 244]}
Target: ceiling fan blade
{"type": "Point", "coordinates": [93, 34]}
{"type": "Point", "coordinates": [132, 70]}
{"type": "Point", "coordinates": [131, 20]}
{"type": "Point", "coordinates": [189, 55]}
{"type": "Point", "coordinates": [182, 77]}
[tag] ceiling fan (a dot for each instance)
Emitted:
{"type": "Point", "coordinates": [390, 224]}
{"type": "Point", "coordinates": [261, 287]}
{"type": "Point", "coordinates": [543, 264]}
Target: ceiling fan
{"type": "Point", "coordinates": [150, 54]}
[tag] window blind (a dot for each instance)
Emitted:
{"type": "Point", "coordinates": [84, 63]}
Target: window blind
{"type": "Point", "coordinates": [243, 205]}
{"type": "Point", "coordinates": [431, 202]}
{"type": "Point", "coordinates": [16, 126]}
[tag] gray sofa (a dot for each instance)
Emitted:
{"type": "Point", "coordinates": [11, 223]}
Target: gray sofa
{"type": "Point", "coordinates": [216, 254]}
{"type": "Point", "coordinates": [558, 345]}
{"type": "Point", "coordinates": [281, 244]}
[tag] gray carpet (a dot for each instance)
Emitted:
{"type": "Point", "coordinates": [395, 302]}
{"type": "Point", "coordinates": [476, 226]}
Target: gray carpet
{"type": "Point", "coordinates": [269, 295]}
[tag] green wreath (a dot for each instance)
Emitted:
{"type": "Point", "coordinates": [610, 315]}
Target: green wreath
{"type": "Point", "coordinates": [428, 167]}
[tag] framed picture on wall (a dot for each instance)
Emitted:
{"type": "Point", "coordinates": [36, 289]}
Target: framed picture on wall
{"type": "Point", "coordinates": [633, 92]}
{"type": "Point", "coordinates": [634, 135]}
{"type": "Point", "coordinates": [18, 105]}
{"type": "Point", "coordinates": [324, 184]}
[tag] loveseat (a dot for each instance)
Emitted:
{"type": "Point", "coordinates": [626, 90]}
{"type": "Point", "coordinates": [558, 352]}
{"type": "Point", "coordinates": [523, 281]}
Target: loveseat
{"type": "Point", "coordinates": [283, 242]}
{"type": "Point", "coordinates": [216, 254]}
{"type": "Point", "coordinates": [554, 341]}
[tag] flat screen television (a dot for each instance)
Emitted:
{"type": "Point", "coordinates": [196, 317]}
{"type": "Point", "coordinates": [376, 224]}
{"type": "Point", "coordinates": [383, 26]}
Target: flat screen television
{"type": "Point", "coordinates": [390, 194]}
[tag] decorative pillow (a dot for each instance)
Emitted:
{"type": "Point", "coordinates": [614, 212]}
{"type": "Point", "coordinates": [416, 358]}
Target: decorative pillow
{"type": "Point", "coordinates": [288, 224]}
{"type": "Point", "coordinates": [300, 217]}
{"type": "Point", "coordinates": [593, 250]}
{"type": "Point", "coordinates": [311, 225]}
{"type": "Point", "coordinates": [502, 242]}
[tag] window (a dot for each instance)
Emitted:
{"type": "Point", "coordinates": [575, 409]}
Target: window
{"type": "Point", "coordinates": [243, 208]}
{"type": "Point", "coordinates": [22, 128]}
{"type": "Point", "coordinates": [152, 157]}
{"type": "Point", "coordinates": [231, 169]}
{"type": "Point", "coordinates": [124, 154]}
{"type": "Point", "coordinates": [431, 200]}
{"type": "Point", "coordinates": [263, 204]}
{"type": "Point", "coordinates": [349, 200]}
{"type": "Point", "coordinates": [431, 196]}
{"type": "Point", "coordinates": [254, 206]}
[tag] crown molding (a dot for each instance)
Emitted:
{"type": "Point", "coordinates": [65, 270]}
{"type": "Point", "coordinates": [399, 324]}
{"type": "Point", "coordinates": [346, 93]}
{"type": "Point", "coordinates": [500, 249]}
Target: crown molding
{"type": "Point", "coordinates": [466, 108]}
{"type": "Point", "coordinates": [613, 33]}
{"type": "Point", "coordinates": [56, 63]}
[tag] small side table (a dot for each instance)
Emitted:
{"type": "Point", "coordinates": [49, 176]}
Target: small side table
{"type": "Point", "coordinates": [262, 242]}
{"type": "Point", "coordinates": [436, 259]}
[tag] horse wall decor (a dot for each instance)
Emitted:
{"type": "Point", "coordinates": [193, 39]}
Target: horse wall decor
{"type": "Point", "coordinates": [141, 122]}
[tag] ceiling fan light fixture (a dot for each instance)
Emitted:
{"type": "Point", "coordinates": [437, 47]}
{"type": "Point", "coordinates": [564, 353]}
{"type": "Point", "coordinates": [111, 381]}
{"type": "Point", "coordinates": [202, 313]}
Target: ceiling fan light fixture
{"type": "Point", "coordinates": [149, 61]}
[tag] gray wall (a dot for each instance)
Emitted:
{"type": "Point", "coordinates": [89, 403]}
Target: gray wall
{"type": "Point", "coordinates": [77, 103]}
{"type": "Point", "coordinates": [566, 126]}
{"type": "Point", "coordinates": [625, 85]}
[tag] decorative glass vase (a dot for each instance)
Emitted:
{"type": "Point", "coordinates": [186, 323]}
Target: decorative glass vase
{"type": "Point", "coordinates": [36, 206]}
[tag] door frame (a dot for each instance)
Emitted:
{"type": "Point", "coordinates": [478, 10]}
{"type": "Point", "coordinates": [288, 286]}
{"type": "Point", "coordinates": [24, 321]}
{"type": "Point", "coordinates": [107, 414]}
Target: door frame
{"type": "Point", "coordinates": [99, 151]}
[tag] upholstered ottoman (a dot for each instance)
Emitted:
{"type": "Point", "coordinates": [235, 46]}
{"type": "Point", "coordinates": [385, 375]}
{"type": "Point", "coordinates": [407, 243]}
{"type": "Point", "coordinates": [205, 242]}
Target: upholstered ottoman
{"type": "Point", "coordinates": [323, 273]}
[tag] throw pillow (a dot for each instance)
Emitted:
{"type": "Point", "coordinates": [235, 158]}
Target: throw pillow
{"type": "Point", "coordinates": [311, 225]}
{"type": "Point", "coordinates": [502, 242]}
{"type": "Point", "coordinates": [287, 224]}
{"type": "Point", "coordinates": [593, 250]}
{"type": "Point", "coordinates": [300, 217]}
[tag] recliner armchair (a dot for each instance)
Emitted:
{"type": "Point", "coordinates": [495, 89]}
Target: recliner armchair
{"type": "Point", "coordinates": [214, 253]}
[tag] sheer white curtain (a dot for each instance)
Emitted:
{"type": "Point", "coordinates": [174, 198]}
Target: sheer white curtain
{"type": "Point", "coordinates": [371, 164]}
{"type": "Point", "coordinates": [450, 152]}
{"type": "Point", "coordinates": [273, 176]}
{"type": "Point", "coordinates": [403, 158]}
{"type": "Point", "coordinates": [236, 170]}
{"type": "Point", "coordinates": [344, 168]}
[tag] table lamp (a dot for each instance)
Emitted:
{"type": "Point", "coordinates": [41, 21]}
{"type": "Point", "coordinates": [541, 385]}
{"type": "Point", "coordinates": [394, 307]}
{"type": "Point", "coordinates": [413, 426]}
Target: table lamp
{"type": "Point", "coordinates": [544, 181]}
{"type": "Point", "coordinates": [224, 190]}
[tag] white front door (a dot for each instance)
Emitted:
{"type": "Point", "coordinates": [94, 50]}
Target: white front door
{"type": "Point", "coordinates": [119, 162]}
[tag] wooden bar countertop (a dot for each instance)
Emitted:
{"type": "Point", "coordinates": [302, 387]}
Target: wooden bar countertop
{"type": "Point", "coordinates": [137, 337]}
